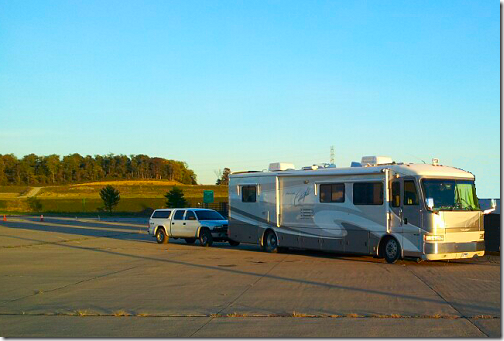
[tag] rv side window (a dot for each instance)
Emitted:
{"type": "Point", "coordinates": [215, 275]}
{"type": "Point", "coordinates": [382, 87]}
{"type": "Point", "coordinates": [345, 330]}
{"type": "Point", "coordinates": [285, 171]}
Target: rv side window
{"type": "Point", "coordinates": [161, 214]}
{"type": "Point", "coordinates": [396, 194]}
{"type": "Point", "coordinates": [368, 193]}
{"type": "Point", "coordinates": [332, 193]}
{"type": "Point", "coordinates": [249, 193]}
{"type": "Point", "coordinates": [410, 193]}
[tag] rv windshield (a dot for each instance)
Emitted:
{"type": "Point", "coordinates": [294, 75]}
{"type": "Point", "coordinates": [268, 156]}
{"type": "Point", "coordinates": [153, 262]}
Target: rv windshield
{"type": "Point", "coordinates": [451, 195]}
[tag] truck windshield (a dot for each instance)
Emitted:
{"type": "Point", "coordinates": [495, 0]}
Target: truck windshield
{"type": "Point", "coordinates": [451, 195]}
{"type": "Point", "coordinates": [209, 215]}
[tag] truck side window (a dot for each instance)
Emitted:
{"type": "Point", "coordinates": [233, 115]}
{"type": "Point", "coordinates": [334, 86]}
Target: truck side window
{"type": "Point", "coordinates": [190, 215]}
{"type": "Point", "coordinates": [161, 214]}
{"type": "Point", "coordinates": [396, 194]}
{"type": "Point", "coordinates": [179, 215]}
{"type": "Point", "coordinates": [249, 193]}
{"type": "Point", "coordinates": [368, 193]}
{"type": "Point", "coordinates": [410, 193]}
{"type": "Point", "coordinates": [332, 193]}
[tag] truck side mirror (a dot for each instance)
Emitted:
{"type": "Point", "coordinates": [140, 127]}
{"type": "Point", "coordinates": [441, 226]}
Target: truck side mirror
{"type": "Point", "coordinates": [430, 203]}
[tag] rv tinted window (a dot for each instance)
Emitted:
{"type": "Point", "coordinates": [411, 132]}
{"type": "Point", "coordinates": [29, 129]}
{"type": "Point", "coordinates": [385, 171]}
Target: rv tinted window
{"type": "Point", "coordinates": [249, 193]}
{"type": "Point", "coordinates": [368, 193]}
{"type": "Point", "coordinates": [332, 193]}
{"type": "Point", "coordinates": [179, 215]}
{"type": "Point", "coordinates": [396, 194]}
{"type": "Point", "coordinates": [161, 214]}
{"type": "Point", "coordinates": [410, 193]}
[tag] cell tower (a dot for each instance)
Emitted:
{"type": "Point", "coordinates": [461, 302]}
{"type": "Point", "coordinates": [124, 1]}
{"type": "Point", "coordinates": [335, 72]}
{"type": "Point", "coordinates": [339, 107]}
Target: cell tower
{"type": "Point", "coordinates": [331, 156]}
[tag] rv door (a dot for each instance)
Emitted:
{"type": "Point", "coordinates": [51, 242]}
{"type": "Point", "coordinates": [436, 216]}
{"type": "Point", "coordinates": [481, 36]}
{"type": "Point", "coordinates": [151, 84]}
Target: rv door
{"type": "Point", "coordinates": [405, 206]}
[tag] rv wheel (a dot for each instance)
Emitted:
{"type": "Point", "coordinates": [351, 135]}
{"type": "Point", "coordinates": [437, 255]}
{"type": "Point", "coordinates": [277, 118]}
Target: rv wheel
{"type": "Point", "coordinates": [205, 238]}
{"type": "Point", "coordinates": [270, 243]}
{"type": "Point", "coordinates": [161, 236]}
{"type": "Point", "coordinates": [392, 250]}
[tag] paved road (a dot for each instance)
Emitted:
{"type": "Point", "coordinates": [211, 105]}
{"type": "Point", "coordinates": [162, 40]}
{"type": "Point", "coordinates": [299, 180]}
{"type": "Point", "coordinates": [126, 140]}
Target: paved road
{"type": "Point", "coordinates": [89, 278]}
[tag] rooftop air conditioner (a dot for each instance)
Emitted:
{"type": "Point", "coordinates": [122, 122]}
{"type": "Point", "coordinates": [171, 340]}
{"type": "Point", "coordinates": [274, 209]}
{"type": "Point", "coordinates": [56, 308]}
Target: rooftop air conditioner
{"type": "Point", "coordinates": [375, 160]}
{"type": "Point", "coordinates": [280, 166]}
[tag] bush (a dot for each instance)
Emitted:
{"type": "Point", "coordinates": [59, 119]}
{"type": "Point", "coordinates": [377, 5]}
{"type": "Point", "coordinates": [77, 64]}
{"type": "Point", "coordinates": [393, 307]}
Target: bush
{"type": "Point", "coordinates": [110, 197]}
{"type": "Point", "coordinates": [175, 198]}
{"type": "Point", "coordinates": [35, 204]}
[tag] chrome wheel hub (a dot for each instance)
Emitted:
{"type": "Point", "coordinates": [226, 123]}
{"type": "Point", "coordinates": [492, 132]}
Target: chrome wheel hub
{"type": "Point", "coordinates": [391, 249]}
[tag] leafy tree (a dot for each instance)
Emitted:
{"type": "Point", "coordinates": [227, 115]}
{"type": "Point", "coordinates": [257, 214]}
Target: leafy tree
{"type": "Point", "coordinates": [224, 179]}
{"type": "Point", "coordinates": [175, 198]}
{"type": "Point", "coordinates": [72, 168]}
{"type": "Point", "coordinates": [50, 165]}
{"type": "Point", "coordinates": [110, 197]}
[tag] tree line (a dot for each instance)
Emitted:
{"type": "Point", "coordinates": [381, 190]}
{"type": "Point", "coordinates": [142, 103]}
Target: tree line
{"type": "Point", "coordinates": [74, 168]}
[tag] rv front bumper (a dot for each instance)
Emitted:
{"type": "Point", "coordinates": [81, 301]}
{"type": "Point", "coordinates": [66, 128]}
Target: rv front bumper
{"type": "Point", "coordinates": [219, 232]}
{"type": "Point", "coordinates": [436, 251]}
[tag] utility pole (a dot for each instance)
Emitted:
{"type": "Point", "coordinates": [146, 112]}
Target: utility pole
{"type": "Point", "coordinates": [331, 156]}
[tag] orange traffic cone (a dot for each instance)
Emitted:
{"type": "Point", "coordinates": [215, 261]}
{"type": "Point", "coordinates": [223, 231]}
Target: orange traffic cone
{"type": "Point", "coordinates": [4, 217]}
{"type": "Point", "coordinates": [41, 217]}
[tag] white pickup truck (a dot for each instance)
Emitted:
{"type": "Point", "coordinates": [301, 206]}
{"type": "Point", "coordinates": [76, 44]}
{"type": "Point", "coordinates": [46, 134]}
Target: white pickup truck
{"type": "Point", "coordinates": [191, 224]}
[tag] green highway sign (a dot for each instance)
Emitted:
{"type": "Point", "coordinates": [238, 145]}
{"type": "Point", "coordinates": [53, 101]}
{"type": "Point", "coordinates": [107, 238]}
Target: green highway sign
{"type": "Point", "coordinates": [208, 197]}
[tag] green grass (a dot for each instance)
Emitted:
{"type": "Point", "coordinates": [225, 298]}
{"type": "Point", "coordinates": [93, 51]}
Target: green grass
{"type": "Point", "coordinates": [130, 189]}
{"type": "Point", "coordinates": [137, 197]}
{"type": "Point", "coordinates": [13, 189]}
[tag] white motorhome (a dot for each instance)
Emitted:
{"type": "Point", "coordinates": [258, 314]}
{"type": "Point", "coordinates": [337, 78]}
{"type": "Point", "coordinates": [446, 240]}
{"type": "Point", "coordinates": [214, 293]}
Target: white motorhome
{"type": "Point", "coordinates": [376, 207]}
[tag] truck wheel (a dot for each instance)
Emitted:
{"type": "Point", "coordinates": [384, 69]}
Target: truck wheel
{"type": "Point", "coordinates": [233, 243]}
{"type": "Point", "coordinates": [205, 238]}
{"type": "Point", "coordinates": [392, 250]}
{"type": "Point", "coordinates": [270, 243]}
{"type": "Point", "coordinates": [190, 240]}
{"type": "Point", "coordinates": [161, 236]}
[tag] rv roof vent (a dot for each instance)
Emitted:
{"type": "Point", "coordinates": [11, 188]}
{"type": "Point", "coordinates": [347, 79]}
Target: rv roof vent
{"type": "Point", "coordinates": [375, 160]}
{"type": "Point", "coordinates": [280, 166]}
{"type": "Point", "coordinates": [355, 164]}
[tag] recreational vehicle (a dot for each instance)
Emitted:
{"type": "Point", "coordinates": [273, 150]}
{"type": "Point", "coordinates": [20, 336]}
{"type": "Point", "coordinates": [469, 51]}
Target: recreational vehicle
{"type": "Point", "coordinates": [375, 207]}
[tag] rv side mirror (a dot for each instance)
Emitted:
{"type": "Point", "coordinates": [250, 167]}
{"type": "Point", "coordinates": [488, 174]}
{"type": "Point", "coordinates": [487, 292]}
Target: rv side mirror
{"type": "Point", "coordinates": [493, 203]}
{"type": "Point", "coordinates": [430, 203]}
{"type": "Point", "coordinates": [493, 206]}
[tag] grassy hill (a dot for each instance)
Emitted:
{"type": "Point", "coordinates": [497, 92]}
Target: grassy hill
{"type": "Point", "coordinates": [136, 196]}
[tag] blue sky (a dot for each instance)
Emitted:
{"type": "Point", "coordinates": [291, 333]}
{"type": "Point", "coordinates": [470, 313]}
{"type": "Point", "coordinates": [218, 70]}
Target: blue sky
{"type": "Point", "coordinates": [240, 84]}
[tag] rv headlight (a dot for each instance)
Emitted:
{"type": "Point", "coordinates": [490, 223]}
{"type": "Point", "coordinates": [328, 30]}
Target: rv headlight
{"type": "Point", "coordinates": [433, 238]}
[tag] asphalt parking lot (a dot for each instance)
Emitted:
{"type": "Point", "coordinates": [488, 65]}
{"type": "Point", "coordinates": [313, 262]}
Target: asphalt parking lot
{"type": "Point", "coordinates": [68, 277]}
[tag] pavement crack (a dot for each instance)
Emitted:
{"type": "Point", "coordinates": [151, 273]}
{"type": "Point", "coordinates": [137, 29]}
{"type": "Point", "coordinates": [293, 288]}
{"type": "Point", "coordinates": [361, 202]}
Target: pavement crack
{"type": "Point", "coordinates": [72, 284]}
{"type": "Point", "coordinates": [451, 305]}
{"type": "Point", "coordinates": [296, 315]}
{"type": "Point", "coordinates": [240, 295]}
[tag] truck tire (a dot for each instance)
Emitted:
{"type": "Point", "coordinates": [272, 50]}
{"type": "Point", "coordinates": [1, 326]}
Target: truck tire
{"type": "Point", "coordinates": [205, 238]}
{"type": "Point", "coordinates": [161, 236]}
